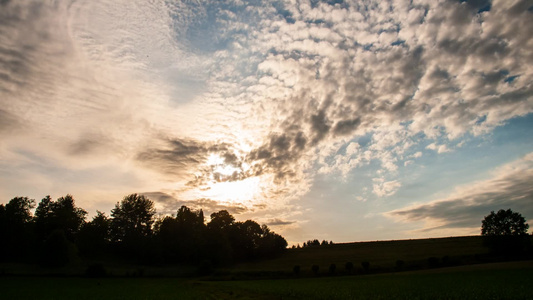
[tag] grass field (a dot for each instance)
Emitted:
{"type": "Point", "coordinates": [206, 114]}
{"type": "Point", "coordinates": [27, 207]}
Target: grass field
{"type": "Point", "coordinates": [488, 281]}
{"type": "Point", "coordinates": [381, 255]}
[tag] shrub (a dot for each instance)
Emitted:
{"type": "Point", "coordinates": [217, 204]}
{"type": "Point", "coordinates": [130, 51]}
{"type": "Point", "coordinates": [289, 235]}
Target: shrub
{"type": "Point", "coordinates": [296, 269]}
{"type": "Point", "coordinates": [433, 262]}
{"type": "Point", "coordinates": [445, 260]}
{"type": "Point", "coordinates": [399, 264]}
{"type": "Point", "coordinates": [366, 266]}
{"type": "Point", "coordinates": [348, 266]}
{"type": "Point", "coordinates": [315, 269]}
{"type": "Point", "coordinates": [205, 267]}
{"type": "Point", "coordinates": [332, 268]}
{"type": "Point", "coordinates": [95, 271]}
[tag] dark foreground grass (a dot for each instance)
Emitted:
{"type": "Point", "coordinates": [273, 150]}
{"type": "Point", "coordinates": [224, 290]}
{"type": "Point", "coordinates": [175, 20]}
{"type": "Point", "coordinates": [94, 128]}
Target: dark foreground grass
{"type": "Point", "coordinates": [490, 281]}
{"type": "Point", "coordinates": [382, 255]}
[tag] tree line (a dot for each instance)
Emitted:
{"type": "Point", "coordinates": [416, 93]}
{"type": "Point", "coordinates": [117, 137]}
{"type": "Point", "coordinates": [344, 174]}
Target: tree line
{"type": "Point", "coordinates": [58, 232]}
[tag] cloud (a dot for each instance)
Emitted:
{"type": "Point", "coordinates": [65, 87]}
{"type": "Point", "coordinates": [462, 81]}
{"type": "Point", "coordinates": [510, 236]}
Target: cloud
{"type": "Point", "coordinates": [278, 222]}
{"type": "Point", "coordinates": [281, 91]}
{"type": "Point", "coordinates": [509, 187]}
{"type": "Point", "coordinates": [438, 148]}
{"type": "Point", "coordinates": [167, 204]}
{"type": "Point", "coordinates": [384, 188]}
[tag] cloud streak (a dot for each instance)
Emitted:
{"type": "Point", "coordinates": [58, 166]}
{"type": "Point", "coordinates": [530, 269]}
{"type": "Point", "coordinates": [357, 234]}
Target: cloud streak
{"type": "Point", "coordinates": [204, 98]}
{"type": "Point", "coordinates": [510, 187]}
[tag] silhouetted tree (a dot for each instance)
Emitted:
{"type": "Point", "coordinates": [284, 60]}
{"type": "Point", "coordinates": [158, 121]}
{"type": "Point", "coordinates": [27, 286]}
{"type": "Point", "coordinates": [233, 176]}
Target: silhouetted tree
{"type": "Point", "coordinates": [131, 223]}
{"type": "Point", "coordinates": [94, 236]}
{"type": "Point", "coordinates": [220, 250]}
{"type": "Point", "coordinates": [58, 215]}
{"type": "Point", "coordinates": [221, 221]}
{"type": "Point", "coordinates": [182, 238]}
{"type": "Point", "coordinates": [245, 238]}
{"type": "Point", "coordinates": [15, 228]}
{"type": "Point", "coordinates": [505, 232]}
{"type": "Point", "coordinates": [56, 250]}
{"type": "Point", "coordinates": [271, 244]}
{"type": "Point", "coordinates": [504, 222]}
{"type": "Point", "coordinates": [349, 267]}
{"type": "Point", "coordinates": [67, 216]}
{"type": "Point", "coordinates": [132, 218]}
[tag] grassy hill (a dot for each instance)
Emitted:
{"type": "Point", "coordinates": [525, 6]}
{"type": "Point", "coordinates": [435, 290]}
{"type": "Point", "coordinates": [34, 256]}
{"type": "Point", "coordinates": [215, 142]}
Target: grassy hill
{"type": "Point", "coordinates": [382, 255]}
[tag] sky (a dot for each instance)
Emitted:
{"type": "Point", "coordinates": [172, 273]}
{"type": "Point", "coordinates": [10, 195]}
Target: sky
{"type": "Point", "coordinates": [337, 120]}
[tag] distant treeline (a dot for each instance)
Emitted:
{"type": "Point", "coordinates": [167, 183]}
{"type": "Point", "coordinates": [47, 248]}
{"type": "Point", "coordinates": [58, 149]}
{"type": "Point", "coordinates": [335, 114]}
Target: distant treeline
{"type": "Point", "coordinates": [312, 243]}
{"type": "Point", "coordinates": [58, 232]}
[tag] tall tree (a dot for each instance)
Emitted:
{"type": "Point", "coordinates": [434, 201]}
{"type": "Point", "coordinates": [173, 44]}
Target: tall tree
{"type": "Point", "coordinates": [131, 225]}
{"type": "Point", "coordinates": [15, 223]}
{"type": "Point", "coordinates": [59, 215]}
{"type": "Point", "coordinates": [505, 232]}
{"type": "Point", "coordinates": [504, 222]}
{"type": "Point", "coordinates": [94, 235]}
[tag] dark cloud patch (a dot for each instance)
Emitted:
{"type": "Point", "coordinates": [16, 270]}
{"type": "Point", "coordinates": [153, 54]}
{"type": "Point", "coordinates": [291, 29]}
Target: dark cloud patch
{"type": "Point", "coordinates": [175, 156]}
{"type": "Point", "coordinates": [320, 126]}
{"type": "Point", "coordinates": [26, 34]}
{"type": "Point", "coordinates": [170, 204]}
{"type": "Point", "coordinates": [346, 127]}
{"type": "Point", "coordinates": [279, 154]}
{"type": "Point", "coordinates": [488, 49]}
{"type": "Point", "coordinates": [89, 143]}
{"type": "Point", "coordinates": [278, 222]}
{"type": "Point", "coordinates": [9, 122]}
{"type": "Point", "coordinates": [511, 191]}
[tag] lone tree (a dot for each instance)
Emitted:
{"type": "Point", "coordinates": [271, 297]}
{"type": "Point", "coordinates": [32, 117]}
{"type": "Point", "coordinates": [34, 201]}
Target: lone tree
{"type": "Point", "coordinates": [505, 232]}
{"type": "Point", "coordinates": [504, 222]}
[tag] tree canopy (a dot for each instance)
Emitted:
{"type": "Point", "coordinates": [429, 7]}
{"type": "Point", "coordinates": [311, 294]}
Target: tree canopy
{"type": "Point", "coordinates": [505, 233]}
{"type": "Point", "coordinates": [504, 222]}
{"type": "Point", "coordinates": [57, 232]}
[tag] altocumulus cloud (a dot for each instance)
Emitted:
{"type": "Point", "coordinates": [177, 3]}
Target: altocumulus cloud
{"type": "Point", "coordinates": [510, 187]}
{"type": "Point", "coordinates": [281, 90]}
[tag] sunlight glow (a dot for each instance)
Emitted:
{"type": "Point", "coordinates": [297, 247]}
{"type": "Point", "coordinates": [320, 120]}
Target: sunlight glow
{"type": "Point", "coordinates": [245, 191]}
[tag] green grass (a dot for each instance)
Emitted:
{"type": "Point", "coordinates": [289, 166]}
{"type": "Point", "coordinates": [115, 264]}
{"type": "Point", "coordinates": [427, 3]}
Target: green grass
{"type": "Point", "coordinates": [381, 255]}
{"type": "Point", "coordinates": [488, 281]}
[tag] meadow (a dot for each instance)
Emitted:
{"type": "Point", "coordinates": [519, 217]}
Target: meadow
{"type": "Point", "coordinates": [509, 280]}
{"type": "Point", "coordinates": [382, 256]}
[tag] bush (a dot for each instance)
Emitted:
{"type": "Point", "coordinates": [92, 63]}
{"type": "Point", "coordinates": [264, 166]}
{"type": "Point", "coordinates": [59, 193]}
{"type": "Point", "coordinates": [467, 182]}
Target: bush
{"type": "Point", "coordinates": [332, 268]}
{"type": "Point", "coordinates": [95, 271]}
{"type": "Point", "coordinates": [315, 269]}
{"type": "Point", "coordinates": [296, 270]}
{"type": "Point", "coordinates": [399, 264]}
{"type": "Point", "coordinates": [445, 260]}
{"type": "Point", "coordinates": [366, 266]}
{"type": "Point", "coordinates": [348, 266]}
{"type": "Point", "coordinates": [205, 267]}
{"type": "Point", "coordinates": [433, 262]}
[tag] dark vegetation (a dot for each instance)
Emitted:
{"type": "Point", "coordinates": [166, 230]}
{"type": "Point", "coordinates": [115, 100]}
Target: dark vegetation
{"type": "Point", "coordinates": [505, 233]}
{"type": "Point", "coordinates": [133, 242]}
{"type": "Point", "coordinates": [509, 280]}
{"type": "Point", "coordinates": [58, 235]}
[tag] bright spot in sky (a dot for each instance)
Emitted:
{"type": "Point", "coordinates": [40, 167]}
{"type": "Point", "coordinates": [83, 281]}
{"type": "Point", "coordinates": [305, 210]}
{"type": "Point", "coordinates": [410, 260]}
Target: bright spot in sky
{"type": "Point", "coordinates": [232, 192]}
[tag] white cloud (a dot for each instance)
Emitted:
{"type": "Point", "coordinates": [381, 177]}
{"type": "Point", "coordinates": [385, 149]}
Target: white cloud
{"type": "Point", "coordinates": [102, 82]}
{"type": "Point", "coordinates": [384, 188]}
{"type": "Point", "coordinates": [509, 187]}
